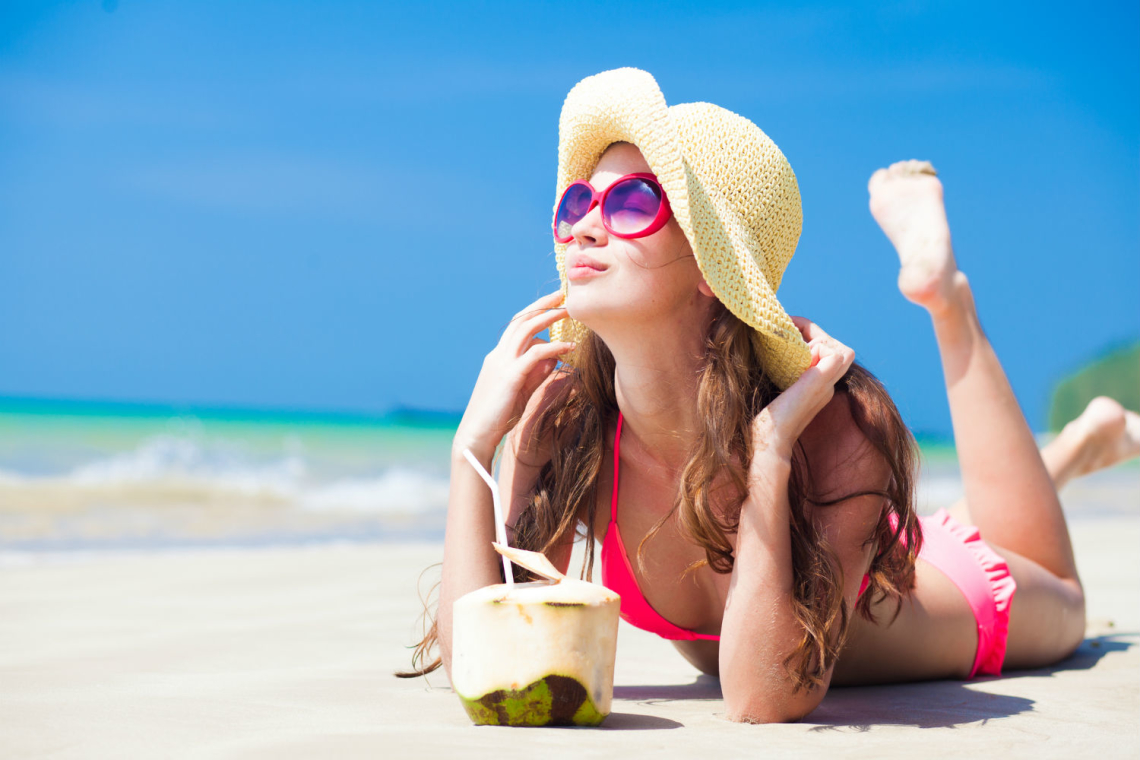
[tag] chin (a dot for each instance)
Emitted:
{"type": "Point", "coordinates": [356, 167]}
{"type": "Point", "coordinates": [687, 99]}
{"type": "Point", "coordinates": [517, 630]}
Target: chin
{"type": "Point", "coordinates": [590, 307]}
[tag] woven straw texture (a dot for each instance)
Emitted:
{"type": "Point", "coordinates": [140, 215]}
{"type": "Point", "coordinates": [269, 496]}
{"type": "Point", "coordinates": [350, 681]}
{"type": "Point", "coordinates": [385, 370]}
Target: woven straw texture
{"type": "Point", "coordinates": [731, 190]}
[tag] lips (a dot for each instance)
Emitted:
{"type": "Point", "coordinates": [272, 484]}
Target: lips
{"type": "Point", "coordinates": [582, 261]}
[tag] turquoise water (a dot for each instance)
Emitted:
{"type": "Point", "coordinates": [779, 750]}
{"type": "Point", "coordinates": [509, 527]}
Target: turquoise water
{"type": "Point", "coordinates": [47, 437]}
{"type": "Point", "coordinates": [80, 474]}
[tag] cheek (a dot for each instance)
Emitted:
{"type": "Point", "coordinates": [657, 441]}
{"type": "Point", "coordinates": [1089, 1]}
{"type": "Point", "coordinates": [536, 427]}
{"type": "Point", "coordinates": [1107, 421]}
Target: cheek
{"type": "Point", "coordinates": [662, 286]}
{"type": "Point", "coordinates": [659, 251]}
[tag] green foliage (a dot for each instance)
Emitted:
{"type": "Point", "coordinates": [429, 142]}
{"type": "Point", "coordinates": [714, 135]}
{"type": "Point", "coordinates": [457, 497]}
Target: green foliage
{"type": "Point", "coordinates": [1115, 374]}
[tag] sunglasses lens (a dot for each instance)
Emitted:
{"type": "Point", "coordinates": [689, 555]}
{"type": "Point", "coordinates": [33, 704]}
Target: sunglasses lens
{"type": "Point", "coordinates": [632, 205]}
{"type": "Point", "coordinates": [575, 203]}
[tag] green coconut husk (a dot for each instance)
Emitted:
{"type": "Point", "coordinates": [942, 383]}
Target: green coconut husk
{"type": "Point", "coordinates": [551, 701]}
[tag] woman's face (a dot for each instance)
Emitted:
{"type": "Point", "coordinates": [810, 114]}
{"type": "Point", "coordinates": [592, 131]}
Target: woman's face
{"type": "Point", "coordinates": [649, 280]}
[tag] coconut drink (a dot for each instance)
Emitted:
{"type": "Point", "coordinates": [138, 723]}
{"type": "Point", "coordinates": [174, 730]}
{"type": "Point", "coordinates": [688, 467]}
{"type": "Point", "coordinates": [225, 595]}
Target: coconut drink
{"type": "Point", "coordinates": [540, 653]}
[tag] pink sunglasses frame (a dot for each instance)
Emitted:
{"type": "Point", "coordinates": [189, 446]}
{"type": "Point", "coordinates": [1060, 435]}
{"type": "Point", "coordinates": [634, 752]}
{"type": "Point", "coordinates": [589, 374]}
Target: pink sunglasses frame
{"type": "Point", "coordinates": [664, 211]}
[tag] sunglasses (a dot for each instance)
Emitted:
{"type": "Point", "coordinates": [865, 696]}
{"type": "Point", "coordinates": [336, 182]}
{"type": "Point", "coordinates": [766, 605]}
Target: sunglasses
{"type": "Point", "coordinates": [633, 206]}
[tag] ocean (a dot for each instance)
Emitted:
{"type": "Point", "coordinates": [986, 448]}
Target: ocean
{"type": "Point", "coordinates": [99, 475]}
{"type": "Point", "coordinates": [81, 476]}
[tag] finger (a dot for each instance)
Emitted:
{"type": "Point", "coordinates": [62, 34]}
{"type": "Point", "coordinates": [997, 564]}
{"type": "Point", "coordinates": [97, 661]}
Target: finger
{"type": "Point", "coordinates": [534, 342]}
{"type": "Point", "coordinates": [524, 331]}
{"type": "Point", "coordinates": [540, 352]}
{"type": "Point", "coordinates": [828, 364]}
{"type": "Point", "coordinates": [538, 376]}
{"type": "Point", "coordinates": [810, 330]}
{"type": "Point", "coordinates": [793, 409]}
{"type": "Point", "coordinates": [547, 301]}
{"type": "Point", "coordinates": [833, 346]}
{"type": "Point", "coordinates": [801, 325]}
{"type": "Point", "coordinates": [518, 331]}
{"type": "Point", "coordinates": [821, 338]}
{"type": "Point", "coordinates": [834, 364]}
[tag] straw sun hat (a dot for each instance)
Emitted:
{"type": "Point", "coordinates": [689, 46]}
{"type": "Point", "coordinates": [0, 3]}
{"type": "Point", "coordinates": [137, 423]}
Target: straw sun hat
{"type": "Point", "coordinates": [730, 188]}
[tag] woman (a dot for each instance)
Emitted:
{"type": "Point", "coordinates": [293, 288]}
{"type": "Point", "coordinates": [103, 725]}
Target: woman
{"type": "Point", "coordinates": [765, 479]}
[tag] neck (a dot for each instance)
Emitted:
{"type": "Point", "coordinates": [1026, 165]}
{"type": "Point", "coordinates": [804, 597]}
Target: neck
{"type": "Point", "coordinates": [656, 378]}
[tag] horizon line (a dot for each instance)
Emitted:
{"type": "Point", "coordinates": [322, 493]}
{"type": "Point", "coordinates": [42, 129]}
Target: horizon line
{"type": "Point", "coordinates": [397, 414]}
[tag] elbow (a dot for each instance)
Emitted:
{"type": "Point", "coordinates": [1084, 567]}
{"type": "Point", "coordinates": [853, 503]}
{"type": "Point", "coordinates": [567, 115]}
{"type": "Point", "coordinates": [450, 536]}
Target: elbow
{"type": "Point", "coordinates": [760, 708]}
{"type": "Point", "coordinates": [761, 713]}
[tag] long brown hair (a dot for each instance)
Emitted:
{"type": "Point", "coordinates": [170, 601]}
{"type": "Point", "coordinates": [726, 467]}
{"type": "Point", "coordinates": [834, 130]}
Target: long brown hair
{"type": "Point", "coordinates": [732, 390]}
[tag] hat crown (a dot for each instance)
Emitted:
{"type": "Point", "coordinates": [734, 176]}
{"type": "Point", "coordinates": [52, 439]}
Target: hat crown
{"type": "Point", "coordinates": [735, 161]}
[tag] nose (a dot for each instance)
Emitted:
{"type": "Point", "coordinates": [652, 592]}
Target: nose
{"type": "Point", "coordinates": [590, 228]}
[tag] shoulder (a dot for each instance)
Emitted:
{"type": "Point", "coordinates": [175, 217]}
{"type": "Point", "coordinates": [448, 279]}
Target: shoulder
{"type": "Point", "coordinates": [843, 462]}
{"type": "Point", "coordinates": [840, 454]}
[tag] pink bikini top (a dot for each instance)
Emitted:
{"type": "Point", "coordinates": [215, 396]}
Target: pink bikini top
{"type": "Point", "coordinates": [617, 575]}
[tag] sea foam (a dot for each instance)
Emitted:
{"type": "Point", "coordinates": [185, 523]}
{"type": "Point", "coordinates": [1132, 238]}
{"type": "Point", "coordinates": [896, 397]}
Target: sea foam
{"type": "Point", "coordinates": [184, 469]}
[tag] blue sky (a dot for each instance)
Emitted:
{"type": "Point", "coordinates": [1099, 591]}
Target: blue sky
{"type": "Point", "coordinates": [255, 204]}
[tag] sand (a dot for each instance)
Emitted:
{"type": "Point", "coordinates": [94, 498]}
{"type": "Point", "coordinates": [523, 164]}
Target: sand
{"type": "Point", "coordinates": [289, 652]}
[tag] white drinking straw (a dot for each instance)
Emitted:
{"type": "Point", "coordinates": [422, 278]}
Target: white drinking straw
{"type": "Point", "coordinates": [500, 526]}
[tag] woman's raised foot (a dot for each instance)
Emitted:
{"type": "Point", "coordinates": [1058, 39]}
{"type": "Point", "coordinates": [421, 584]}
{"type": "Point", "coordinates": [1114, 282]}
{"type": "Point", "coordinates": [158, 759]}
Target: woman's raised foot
{"type": "Point", "coordinates": [1105, 434]}
{"type": "Point", "coordinates": [906, 201]}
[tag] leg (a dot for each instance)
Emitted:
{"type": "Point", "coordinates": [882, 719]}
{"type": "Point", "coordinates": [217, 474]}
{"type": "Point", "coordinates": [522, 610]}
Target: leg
{"type": "Point", "coordinates": [1012, 497]}
{"type": "Point", "coordinates": [1103, 435]}
{"type": "Point", "coordinates": [1046, 618]}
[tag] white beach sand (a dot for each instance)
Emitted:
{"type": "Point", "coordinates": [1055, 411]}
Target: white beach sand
{"type": "Point", "coordinates": [289, 652]}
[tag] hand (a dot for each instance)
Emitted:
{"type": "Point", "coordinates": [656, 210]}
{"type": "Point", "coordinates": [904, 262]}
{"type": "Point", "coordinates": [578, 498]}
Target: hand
{"type": "Point", "coordinates": [783, 421]}
{"type": "Point", "coordinates": [511, 373]}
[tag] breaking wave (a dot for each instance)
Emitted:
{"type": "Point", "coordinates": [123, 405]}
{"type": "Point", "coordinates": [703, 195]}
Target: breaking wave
{"type": "Point", "coordinates": [180, 469]}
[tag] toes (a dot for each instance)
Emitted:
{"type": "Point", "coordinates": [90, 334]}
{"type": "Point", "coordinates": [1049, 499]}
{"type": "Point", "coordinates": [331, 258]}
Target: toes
{"type": "Point", "coordinates": [924, 167]}
{"type": "Point", "coordinates": [913, 166]}
{"type": "Point", "coordinates": [1104, 411]}
{"type": "Point", "coordinates": [902, 169]}
{"type": "Point", "coordinates": [1108, 402]}
{"type": "Point", "coordinates": [1103, 424]}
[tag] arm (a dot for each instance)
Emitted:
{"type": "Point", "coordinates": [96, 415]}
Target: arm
{"type": "Point", "coordinates": [470, 562]}
{"type": "Point", "coordinates": [524, 456]}
{"type": "Point", "coordinates": [759, 629]}
{"type": "Point", "coordinates": [505, 391]}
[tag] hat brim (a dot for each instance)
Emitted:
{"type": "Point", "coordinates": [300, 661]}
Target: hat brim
{"type": "Point", "coordinates": [597, 113]}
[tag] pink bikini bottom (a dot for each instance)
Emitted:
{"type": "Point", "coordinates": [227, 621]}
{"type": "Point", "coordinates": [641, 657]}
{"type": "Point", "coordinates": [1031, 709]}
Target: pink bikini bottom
{"type": "Point", "coordinates": [982, 576]}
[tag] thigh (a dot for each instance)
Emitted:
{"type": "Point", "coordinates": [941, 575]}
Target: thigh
{"type": "Point", "coordinates": [1046, 615]}
{"type": "Point", "coordinates": [935, 636]}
